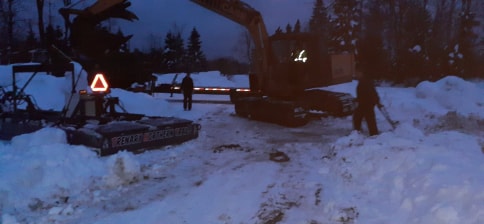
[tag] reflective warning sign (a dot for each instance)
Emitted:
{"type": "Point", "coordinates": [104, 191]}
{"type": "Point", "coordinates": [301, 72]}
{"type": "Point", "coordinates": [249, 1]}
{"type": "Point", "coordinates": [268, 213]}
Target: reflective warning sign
{"type": "Point", "coordinates": [99, 83]}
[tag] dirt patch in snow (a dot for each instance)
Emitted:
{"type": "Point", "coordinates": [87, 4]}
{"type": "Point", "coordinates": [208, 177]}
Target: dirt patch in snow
{"type": "Point", "coordinates": [451, 121]}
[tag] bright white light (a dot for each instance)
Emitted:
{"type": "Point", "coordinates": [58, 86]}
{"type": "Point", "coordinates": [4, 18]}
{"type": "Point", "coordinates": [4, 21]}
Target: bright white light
{"type": "Point", "coordinates": [301, 56]}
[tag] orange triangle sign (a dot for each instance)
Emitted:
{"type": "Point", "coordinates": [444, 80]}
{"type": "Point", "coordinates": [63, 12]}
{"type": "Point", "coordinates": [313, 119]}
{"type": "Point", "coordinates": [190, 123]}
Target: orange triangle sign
{"type": "Point", "coordinates": [99, 84]}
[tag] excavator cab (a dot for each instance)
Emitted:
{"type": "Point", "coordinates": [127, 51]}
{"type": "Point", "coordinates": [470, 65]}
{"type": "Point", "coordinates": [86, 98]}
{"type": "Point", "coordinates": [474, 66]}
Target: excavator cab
{"type": "Point", "coordinates": [298, 63]}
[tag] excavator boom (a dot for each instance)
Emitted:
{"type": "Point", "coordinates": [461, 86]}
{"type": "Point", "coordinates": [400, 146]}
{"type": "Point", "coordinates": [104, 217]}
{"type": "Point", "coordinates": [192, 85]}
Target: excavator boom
{"type": "Point", "coordinates": [101, 5]}
{"type": "Point", "coordinates": [243, 14]}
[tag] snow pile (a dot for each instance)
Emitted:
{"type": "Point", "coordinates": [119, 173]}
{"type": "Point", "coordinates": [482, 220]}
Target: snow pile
{"type": "Point", "coordinates": [123, 169]}
{"type": "Point", "coordinates": [140, 103]}
{"type": "Point", "coordinates": [413, 177]}
{"type": "Point", "coordinates": [454, 94]}
{"type": "Point", "coordinates": [42, 169]}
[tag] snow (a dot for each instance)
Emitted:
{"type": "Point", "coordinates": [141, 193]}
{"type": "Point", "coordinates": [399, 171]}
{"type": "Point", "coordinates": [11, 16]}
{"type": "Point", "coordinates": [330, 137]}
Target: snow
{"type": "Point", "coordinates": [428, 170]}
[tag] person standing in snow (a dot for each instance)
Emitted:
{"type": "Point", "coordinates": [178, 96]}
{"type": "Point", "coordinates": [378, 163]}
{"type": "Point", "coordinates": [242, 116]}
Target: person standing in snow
{"type": "Point", "coordinates": [187, 90]}
{"type": "Point", "coordinates": [367, 98]}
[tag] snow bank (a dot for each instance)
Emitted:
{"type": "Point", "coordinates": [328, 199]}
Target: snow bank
{"type": "Point", "coordinates": [123, 169]}
{"type": "Point", "coordinates": [417, 175]}
{"type": "Point", "coordinates": [454, 94]}
{"type": "Point", "coordinates": [44, 171]}
{"type": "Point", "coordinates": [141, 103]}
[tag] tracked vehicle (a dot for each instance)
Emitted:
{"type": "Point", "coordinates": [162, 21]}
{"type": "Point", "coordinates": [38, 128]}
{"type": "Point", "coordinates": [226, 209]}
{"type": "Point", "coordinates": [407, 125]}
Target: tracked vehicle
{"type": "Point", "coordinates": [91, 118]}
{"type": "Point", "coordinates": [287, 69]}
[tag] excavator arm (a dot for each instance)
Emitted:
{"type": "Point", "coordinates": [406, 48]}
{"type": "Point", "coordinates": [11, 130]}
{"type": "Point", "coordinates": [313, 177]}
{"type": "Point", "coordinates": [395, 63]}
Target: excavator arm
{"type": "Point", "coordinates": [243, 14]}
{"type": "Point", "coordinates": [102, 5]}
{"type": "Point", "coordinates": [103, 9]}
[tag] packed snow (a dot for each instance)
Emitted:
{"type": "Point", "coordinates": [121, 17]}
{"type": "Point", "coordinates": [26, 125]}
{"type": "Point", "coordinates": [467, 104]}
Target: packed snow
{"type": "Point", "coordinates": [430, 169]}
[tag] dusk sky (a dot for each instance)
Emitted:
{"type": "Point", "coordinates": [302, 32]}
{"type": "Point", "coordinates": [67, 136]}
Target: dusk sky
{"type": "Point", "coordinates": [218, 34]}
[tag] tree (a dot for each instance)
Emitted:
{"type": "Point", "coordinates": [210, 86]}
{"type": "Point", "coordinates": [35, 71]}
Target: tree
{"type": "Point", "coordinates": [53, 36]}
{"type": "Point", "coordinates": [373, 57]}
{"type": "Point", "coordinates": [345, 26]}
{"type": "Point", "coordinates": [31, 41]}
{"type": "Point", "coordinates": [441, 36]}
{"type": "Point", "coordinates": [40, 14]}
{"type": "Point", "coordinates": [464, 57]}
{"type": "Point", "coordinates": [8, 21]}
{"type": "Point", "coordinates": [288, 28]}
{"type": "Point", "coordinates": [174, 52]}
{"type": "Point", "coordinates": [195, 58]}
{"type": "Point", "coordinates": [406, 34]}
{"type": "Point", "coordinates": [319, 20]}
{"type": "Point", "coordinates": [413, 58]}
{"type": "Point", "coordinates": [319, 23]}
{"type": "Point", "coordinates": [297, 27]}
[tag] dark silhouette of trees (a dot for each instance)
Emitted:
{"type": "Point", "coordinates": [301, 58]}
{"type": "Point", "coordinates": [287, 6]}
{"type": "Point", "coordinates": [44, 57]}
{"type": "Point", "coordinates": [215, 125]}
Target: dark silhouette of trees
{"type": "Point", "coordinates": [402, 40]}
{"type": "Point", "coordinates": [412, 57]}
{"type": "Point", "coordinates": [40, 17]}
{"type": "Point", "coordinates": [195, 58]}
{"type": "Point", "coordinates": [464, 58]}
{"type": "Point", "coordinates": [345, 26]}
{"type": "Point", "coordinates": [319, 24]}
{"type": "Point", "coordinates": [373, 57]}
{"type": "Point", "coordinates": [297, 26]}
{"type": "Point", "coordinates": [9, 10]}
{"type": "Point", "coordinates": [174, 52]}
{"type": "Point", "coordinates": [288, 28]}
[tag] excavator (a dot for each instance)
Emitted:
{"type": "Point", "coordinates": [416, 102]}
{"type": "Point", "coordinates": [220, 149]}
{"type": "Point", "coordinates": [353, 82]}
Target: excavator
{"type": "Point", "coordinates": [287, 71]}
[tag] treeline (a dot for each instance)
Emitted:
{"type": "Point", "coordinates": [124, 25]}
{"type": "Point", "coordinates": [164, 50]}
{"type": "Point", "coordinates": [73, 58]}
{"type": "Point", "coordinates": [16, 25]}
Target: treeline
{"type": "Point", "coordinates": [403, 40]}
{"type": "Point", "coordinates": [23, 40]}
{"type": "Point", "coordinates": [176, 56]}
{"type": "Point", "coordinates": [397, 40]}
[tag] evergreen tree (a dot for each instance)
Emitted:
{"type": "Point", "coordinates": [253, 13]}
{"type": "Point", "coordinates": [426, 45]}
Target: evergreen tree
{"type": "Point", "coordinates": [31, 41]}
{"type": "Point", "coordinates": [288, 28]}
{"type": "Point", "coordinates": [319, 24]}
{"type": "Point", "coordinates": [463, 59]}
{"type": "Point", "coordinates": [373, 58]}
{"type": "Point", "coordinates": [413, 57]}
{"type": "Point", "coordinates": [345, 26]}
{"type": "Point", "coordinates": [173, 53]}
{"type": "Point", "coordinates": [297, 27]}
{"type": "Point", "coordinates": [40, 14]}
{"type": "Point", "coordinates": [51, 36]}
{"type": "Point", "coordinates": [124, 47]}
{"type": "Point", "coordinates": [441, 36]}
{"type": "Point", "coordinates": [278, 30]}
{"type": "Point", "coordinates": [319, 21]}
{"type": "Point", "coordinates": [195, 58]}
{"type": "Point", "coordinates": [55, 37]}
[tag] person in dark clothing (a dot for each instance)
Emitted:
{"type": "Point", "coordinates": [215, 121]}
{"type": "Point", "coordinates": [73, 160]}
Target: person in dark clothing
{"type": "Point", "coordinates": [187, 90]}
{"type": "Point", "coordinates": [367, 98]}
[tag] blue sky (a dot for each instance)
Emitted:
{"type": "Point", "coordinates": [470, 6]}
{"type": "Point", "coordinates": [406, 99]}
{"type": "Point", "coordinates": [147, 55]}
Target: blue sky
{"type": "Point", "coordinates": [218, 34]}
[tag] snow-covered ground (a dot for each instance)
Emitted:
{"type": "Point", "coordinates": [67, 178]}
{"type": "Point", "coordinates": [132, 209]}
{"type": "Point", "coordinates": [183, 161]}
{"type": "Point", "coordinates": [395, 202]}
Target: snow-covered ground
{"type": "Point", "coordinates": [429, 170]}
